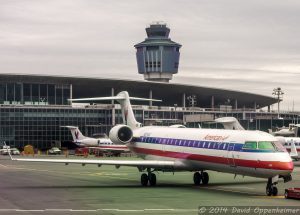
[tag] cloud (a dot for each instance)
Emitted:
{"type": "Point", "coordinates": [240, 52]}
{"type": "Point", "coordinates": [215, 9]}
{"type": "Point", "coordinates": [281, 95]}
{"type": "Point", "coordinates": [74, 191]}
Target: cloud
{"type": "Point", "coordinates": [250, 46]}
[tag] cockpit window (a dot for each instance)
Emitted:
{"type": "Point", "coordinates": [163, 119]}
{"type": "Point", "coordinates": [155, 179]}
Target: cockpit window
{"type": "Point", "coordinates": [279, 147]}
{"type": "Point", "coordinates": [250, 145]}
{"type": "Point", "coordinates": [265, 145]}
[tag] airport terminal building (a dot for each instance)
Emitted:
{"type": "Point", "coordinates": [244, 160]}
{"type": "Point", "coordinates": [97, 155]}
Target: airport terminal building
{"type": "Point", "coordinates": [34, 107]}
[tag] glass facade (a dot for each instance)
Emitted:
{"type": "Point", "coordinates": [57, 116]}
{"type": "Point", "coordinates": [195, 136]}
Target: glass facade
{"type": "Point", "coordinates": [41, 126]}
{"type": "Point", "coordinates": [34, 93]}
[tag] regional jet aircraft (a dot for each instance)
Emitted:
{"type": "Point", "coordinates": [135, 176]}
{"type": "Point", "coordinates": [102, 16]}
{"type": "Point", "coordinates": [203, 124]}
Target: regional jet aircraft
{"type": "Point", "coordinates": [249, 153]}
{"type": "Point", "coordinates": [292, 144]}
{"type": "Point", "coordinates": [103, 144]}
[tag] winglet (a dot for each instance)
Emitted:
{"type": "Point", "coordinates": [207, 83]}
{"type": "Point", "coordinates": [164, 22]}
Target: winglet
{"type": "Point", "coordinates": [293, 153]}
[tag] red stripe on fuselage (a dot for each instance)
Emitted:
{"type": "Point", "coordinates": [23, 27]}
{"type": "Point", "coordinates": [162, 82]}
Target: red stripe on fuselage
{"type": "Point", "coordinates": [275, 165]}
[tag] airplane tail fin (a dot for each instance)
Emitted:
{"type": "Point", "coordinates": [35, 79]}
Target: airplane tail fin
{"type": "Point", "coordinates": [230, 123]}
{"type": "Point", "coordinates": [76, 133]}
{"type": "Point", "coordinates": [293, 153]}
{"type": "Point", "coordinates": [124, 99]}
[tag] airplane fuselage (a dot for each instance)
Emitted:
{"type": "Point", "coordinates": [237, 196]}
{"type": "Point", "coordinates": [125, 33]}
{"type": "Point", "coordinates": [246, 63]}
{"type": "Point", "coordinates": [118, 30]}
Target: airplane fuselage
{"type": "Point", "coordinates": [104, 144]}
{"type": "Point", "coordinates": [211, 149]}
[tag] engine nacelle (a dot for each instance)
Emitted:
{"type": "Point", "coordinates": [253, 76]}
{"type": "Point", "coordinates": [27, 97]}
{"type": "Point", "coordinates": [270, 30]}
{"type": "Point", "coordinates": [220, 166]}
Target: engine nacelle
{"type": "Point", "coordinates": [120, 134]}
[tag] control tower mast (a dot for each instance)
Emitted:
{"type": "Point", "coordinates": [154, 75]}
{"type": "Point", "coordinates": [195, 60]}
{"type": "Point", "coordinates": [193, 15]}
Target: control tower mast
{"type": "Point", "coordinates": [157, 56]}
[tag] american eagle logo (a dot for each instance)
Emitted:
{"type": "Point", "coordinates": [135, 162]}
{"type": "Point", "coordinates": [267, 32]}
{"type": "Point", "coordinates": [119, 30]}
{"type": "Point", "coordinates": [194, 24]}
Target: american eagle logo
{"type": "Point", "coordinates": [77, 134]}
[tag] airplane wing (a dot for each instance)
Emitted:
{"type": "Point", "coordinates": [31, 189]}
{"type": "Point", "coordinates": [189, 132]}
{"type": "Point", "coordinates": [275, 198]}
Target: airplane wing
{"type": "Point", "coordinates": [140, 164]}
{"type": "Point", "coordinates": [293, 153]}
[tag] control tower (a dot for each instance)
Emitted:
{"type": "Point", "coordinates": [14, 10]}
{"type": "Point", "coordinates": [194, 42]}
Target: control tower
{"type": "Point", "coordinates": [157, 56]}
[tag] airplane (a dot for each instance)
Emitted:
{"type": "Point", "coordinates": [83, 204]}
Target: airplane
{"type": "Point", "coordinates": [292, 145]}
{"type": "Point", "coordinates": [104, 143]}
{"type": "Point", "coordinates": [292, 131]}
{"type": "Point", "coordinates": [230, 123]}
{"type": "Point", "coordinates": [167, 149]}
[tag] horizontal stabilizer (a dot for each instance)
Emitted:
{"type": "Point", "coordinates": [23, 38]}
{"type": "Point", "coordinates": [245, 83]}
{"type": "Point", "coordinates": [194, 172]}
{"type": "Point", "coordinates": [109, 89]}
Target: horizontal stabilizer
{"type": "Point", "coordinates": [113, 98]}
{"type": "Point", "coordinates": [68, 126]}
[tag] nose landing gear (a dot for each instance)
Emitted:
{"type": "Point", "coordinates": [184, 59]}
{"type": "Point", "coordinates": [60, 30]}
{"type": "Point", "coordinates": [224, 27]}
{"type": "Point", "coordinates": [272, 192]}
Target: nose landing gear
{"type": "Point", "coordinates": [271, 189]}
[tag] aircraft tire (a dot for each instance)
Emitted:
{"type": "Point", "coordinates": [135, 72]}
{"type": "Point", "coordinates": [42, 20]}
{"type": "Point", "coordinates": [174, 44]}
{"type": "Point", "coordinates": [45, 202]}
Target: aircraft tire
{"type": "Point", "coordinates": [269, 191]}
{"type": "Point", "coordinates": [152, 179]}
{"type": "Point", "coordinates": [197, 178]}
{"type": "Point", "coordinates": [205, 178]}
{"type": "Point", "coordinates": [274, 191]}
{"type": "Point", "coordinates": [144, 179]}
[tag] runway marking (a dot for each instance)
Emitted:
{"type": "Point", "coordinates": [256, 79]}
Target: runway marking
{"type": "Point", "coordinates": [106, 174]}
{"type": "Point", "coordinates": [271, 197]}
{"type": "Point", "coordinates": [248, 188]}
{"type": "Point", "coordinates": [227, 190]}
{"type": "Point", "coordinates": [3, 166]}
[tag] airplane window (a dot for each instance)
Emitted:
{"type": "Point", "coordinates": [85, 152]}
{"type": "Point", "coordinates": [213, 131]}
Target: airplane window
{"type": "Point", "coordinates": [204, 144]}
{"type": "Point", "coordinates": [265, 145]}
{"type": "Point", "coordinates": [192, 143]}
{"type": "Point", "coordinates": [208, 145]}
{"type": "Point", "coordinates": [250, 145]}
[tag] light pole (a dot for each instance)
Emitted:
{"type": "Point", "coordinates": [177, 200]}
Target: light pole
{"type": "Point", "coordinates": [278, 93]}
{"type": "Point", "coordinates": [175, 107]}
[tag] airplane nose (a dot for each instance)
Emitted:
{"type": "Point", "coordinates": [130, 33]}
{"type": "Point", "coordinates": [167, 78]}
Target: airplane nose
{"type": "Point", "coordinates": [289, 166]}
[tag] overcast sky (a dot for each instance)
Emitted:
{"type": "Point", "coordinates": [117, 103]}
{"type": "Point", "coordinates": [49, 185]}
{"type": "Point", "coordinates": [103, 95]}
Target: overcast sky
{"type": "Point", "coordinates": [251, 46]}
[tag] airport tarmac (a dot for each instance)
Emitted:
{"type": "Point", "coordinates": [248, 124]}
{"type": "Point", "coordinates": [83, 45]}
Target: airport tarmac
{"type": "Point", "coordinates": [33, 188]}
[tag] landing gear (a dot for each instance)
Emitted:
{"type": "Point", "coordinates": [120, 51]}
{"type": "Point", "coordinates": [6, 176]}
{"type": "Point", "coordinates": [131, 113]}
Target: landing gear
{"type": "Point", "coordinates": [201, 177]}
{"type": "Point", "coordinates": [205, 178]}
{"type": "Point", "coordinates": [271, 189]}
{"type": "Point", "coordinates": [144, 179]}
{"type": "Point", "coordinates": [197, 178]}
{"type": "Point", "coordinates": [150, 177]}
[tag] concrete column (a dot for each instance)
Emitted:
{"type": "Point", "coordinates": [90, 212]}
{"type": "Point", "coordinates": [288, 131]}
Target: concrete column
{"type": "Point", "coordinates": [71, 93]}
{"type": "Point", "coordinates": [150, 97]}
{"type": "Point", "coordinates": [254, 105]}
{"type": "Point", "coordinates": [112, 94]}
{"type": "Point", "coordinates": [212, 102]}
{"type": "Point", "coordinates": [183, 100]}
{"type": "Point", "coordinates": [236, 104]}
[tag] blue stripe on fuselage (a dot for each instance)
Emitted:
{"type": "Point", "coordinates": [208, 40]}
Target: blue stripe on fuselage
{"type": "Point", "coordinates": [238, 147]}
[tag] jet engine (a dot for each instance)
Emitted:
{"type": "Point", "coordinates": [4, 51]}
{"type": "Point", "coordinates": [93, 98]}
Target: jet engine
{"type": "Point", "coordinates": [120, 134]}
